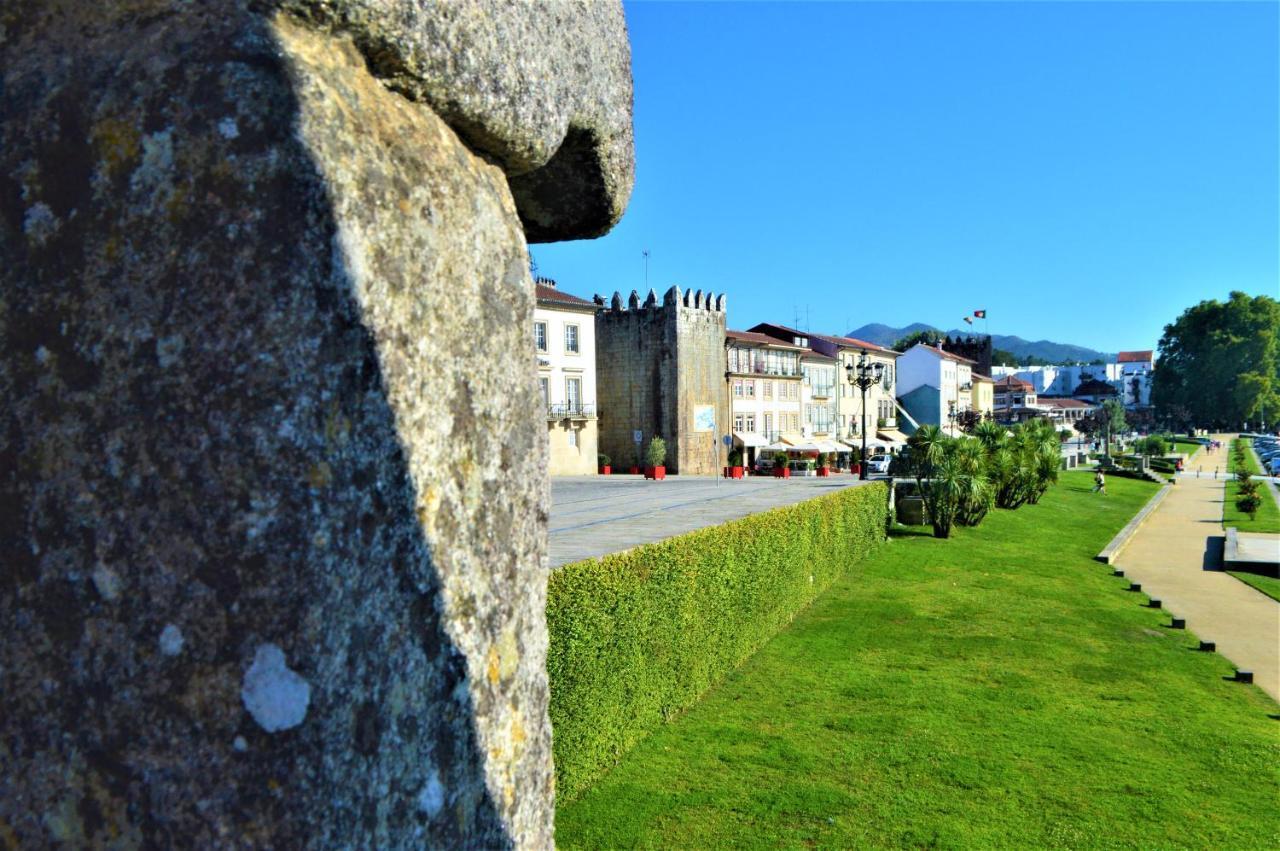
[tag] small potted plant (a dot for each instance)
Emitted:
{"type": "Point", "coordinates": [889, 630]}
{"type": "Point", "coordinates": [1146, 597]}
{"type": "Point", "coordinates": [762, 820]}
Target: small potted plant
{"type": "Point", "coordinates": [780, 468]}
{"type": "Point", "coordinates": [603, 461]}
{"type": "Point", "coordinates": [656, 457]}
{"type": "Point", "coordinates": [824, 464]}
{"type": "Point", "coordinates": [734, 470]}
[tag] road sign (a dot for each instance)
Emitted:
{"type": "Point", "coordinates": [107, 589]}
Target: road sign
{"type": "Point", "coordinates": [728, 440]}
{"type": "Point", "coordinates": [637, 436]}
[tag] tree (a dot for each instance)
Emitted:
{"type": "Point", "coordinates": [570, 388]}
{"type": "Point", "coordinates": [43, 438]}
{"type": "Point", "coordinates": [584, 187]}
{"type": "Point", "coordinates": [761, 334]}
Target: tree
{"type": "Point", "coordinates": [1206, 354]}
{"type": "Point", "coordinates": [930, 337]}
{"type": "Point", "coordinates": [1112, 419]}
{"type": "Point", "coordinates": [999, 357]}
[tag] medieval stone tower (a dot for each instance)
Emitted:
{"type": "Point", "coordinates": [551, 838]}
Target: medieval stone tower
{"type": "Point", "coordinates": [660, 370]}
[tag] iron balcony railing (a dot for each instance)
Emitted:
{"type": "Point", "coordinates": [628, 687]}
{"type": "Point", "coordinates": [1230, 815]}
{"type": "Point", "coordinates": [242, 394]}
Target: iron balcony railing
{"type": "Point", "coordinates": [571, 411]}
{"type": "Point", "coordinates": [763, 369]}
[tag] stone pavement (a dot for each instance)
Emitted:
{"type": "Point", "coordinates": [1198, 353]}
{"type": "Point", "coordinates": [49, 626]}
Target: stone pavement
{"type": "Point", "coordinates": [597, 515]}
{"type": "Point", "coordinates": [1175, 556]}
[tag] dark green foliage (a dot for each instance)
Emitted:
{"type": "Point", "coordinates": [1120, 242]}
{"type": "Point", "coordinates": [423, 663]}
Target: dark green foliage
{"type": "Point", "coordinates": [1220, 363]}
{"type": "Point", "coordinates": [1152, 445]}
{"type": "Point", "coordinates": [637, 637]}
{"type": "Point", "coordinates": [602, 459]}
{"type": "Point", "coordinates": [735, 458]}
{"type": "Point", "coordinates": [930, 337]}
{"type": "Point", "coordinates": [1249, 503]}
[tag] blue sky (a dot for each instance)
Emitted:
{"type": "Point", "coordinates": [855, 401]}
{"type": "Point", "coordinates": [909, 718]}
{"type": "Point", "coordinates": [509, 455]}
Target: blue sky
{"type": "Point", "coordinates": [1083, 171]}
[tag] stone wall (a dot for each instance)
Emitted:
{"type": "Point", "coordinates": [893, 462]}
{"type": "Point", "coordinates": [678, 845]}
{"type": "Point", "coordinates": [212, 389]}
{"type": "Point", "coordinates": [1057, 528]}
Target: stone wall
{"type": "Point", "coordinates": [655, 363]}
{"type": "Point", "coordinates": [272, 499]}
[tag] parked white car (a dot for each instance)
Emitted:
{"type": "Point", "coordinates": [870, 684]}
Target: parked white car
{"type": "Point", "coordinates": [878, 464]}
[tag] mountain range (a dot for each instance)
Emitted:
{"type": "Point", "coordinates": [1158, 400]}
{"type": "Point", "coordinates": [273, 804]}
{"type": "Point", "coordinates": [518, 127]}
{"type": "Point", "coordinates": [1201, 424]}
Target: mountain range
{"type": "Point", "coordinates": [1021, 349]}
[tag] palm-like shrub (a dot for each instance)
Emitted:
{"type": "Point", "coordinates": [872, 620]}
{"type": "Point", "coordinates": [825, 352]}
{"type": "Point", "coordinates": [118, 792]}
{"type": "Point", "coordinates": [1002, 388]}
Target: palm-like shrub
{"type": "Point", "coordinates": [979, 496]}
{"type": "Point", "coordinates": [656, 454]}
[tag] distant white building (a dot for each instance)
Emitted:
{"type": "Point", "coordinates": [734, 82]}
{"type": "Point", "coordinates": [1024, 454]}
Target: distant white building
{"type": "Point", "coordinates": [564, 341]}
{"type": "Point", "coordinates": [1129, 373]}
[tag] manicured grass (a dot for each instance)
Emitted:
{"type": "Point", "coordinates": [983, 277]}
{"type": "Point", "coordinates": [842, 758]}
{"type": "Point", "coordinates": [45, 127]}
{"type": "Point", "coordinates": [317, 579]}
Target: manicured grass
{"type": "Point", "coordinates": [1267, 518]}
{"type": "Point", "coordinates": [999, 689]}
{"type": "Point", "coordinates": [1250, 462]}
{"type": "Point", "coordinates": [1268, 585]}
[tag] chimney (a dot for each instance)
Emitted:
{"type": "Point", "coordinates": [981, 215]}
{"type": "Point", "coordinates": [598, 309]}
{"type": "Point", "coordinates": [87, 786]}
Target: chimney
{"type": "Point", "coordinates": [546, 282]}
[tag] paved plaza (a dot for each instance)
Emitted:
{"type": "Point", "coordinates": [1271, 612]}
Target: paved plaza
{"type": "Point", "coordinates": [597, 515]}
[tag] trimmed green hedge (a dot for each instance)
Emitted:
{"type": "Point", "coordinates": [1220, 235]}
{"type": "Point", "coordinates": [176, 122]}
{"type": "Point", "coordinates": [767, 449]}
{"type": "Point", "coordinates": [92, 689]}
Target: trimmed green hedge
{"type": "Point", "coordinates": [638, 636]}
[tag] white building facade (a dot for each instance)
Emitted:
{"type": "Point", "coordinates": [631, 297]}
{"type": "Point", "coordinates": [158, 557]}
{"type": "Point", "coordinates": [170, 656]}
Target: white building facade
{"type": "Point", "coordinates": [565, 346]}
{"type": "Point", "coordinates": [765, 389]}
{"type": "Point", "coordinates": [926, 371]}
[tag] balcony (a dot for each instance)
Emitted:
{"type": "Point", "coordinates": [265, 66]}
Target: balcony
{"type": "Point", "coordinates": [823, 391]}
{"type": "Point", "coordinates": [571, 411]}
{"type": "Point", "coordinates": [762, 369]}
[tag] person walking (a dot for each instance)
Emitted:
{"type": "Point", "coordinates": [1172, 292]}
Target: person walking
{"type": "Point", "coordinates": [1099, 483]}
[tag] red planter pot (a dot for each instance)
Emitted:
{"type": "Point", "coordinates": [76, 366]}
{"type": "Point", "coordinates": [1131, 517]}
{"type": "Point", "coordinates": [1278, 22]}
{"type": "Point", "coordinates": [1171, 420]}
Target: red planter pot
{"type": "Point", "coordinates": [824, 471]}
{"type": "Point", "coordinates": [606, 470]}
{"type": "Point", "coordinates": [733, 472]}
{"type": "Point", "coordinates": [782, 473]}
{"type": "Point", "coordinates": [655, 473]}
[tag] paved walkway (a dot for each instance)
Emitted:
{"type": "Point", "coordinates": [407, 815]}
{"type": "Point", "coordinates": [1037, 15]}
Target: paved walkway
{"type": "Point", "coordinates": [1175, 556]}
{"type": "Point", "coordinates": [596, 515]}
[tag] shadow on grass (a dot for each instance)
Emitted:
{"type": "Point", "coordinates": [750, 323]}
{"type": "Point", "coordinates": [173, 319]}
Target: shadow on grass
{"type": "Point", "coordinates": [900, 531]}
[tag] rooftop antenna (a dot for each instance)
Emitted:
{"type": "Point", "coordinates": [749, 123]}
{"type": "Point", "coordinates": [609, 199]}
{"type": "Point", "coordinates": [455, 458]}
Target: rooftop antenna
{"type": "Point", "coordinates": [795, 311]}
{"type": "Point", "coordinates": [806, 318]}
{"type": "Point", "coordinates": [645, 253]}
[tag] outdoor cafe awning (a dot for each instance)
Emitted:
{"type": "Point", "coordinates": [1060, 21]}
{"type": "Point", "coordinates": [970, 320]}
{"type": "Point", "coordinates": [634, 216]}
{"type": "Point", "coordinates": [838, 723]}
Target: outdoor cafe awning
{"type": "Point", "coordinates": [830, 446]}
{"type": "Point", "coordinates": [893, 436]}
{"type": "Point", "coordinates": [748, 438]}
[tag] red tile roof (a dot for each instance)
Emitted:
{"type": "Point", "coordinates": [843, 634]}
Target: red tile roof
{"type": "Point", "coordinates": [847, 342]}
{"type": "Point", "coordinates": [1143, 356]}
{"type": "Point", "coordinates": [1063, 402]}
{"type": "Point", "coordinates": [946, 354]}
{"type": "Point", "coordinates": [551, 295]}
{"type": "Point", "coordinates": [1013, 382]}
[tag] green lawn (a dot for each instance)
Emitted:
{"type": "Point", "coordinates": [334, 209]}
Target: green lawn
{"type": "Point", "coordinates": [1267, 518]}
{"type": "Point", "coordinates": [1268, 585]}
{"type": "Point", "coordinates": [1250, 463]}
{"type": "Point", "coordinates": [999, 689]}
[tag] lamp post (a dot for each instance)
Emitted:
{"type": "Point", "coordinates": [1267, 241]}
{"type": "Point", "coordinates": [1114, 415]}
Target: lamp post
{"type": "Point", "coordinates": [864, 375]}
{"type": "Point", "coordinates": [951, 416]}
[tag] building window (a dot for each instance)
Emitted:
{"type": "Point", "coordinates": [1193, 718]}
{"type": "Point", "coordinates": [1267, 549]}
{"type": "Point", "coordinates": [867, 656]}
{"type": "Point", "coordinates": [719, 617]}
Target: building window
{"type": "Point", "coordinates": [540, 336]}
{"type": "Point", "coordinates": [737, 388]}
{"type": "Point", "coordinates": [573, 394]}
{"type": "Point", "coordinates": [768, 393]}
{"type": "Point", "coordinates": [546, 398]}
{"type": "Point", "coordinates": [737, 422]}
{"type": "Point", "coordinates": [750, 388]}
{"type": "Point", "coordinates": [571, 339]}
{"type": "Point", "coordinates": [768, 423]}
{"type": "Point", "coordinates": [751, 422]}
{"type": "Point", "coordinates": [573, 438]}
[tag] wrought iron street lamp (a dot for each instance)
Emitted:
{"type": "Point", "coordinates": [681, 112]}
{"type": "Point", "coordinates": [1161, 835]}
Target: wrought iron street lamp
{"type": "Point", "coordinates": [864, 375]}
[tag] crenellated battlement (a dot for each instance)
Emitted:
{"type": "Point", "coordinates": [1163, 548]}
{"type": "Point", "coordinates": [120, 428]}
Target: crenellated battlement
{"type": "Point", "coordinates": [674, 297]}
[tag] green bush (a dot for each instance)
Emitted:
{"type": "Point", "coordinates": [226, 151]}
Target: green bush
{"type": "Point", "coordinates": [1249, 503]}
{"type": "Point", "coordinates": [602, 459]}
{"type": "Point", "coordinates": [656, 454]}
{"type": "Point", "coordinates": [637, 637]}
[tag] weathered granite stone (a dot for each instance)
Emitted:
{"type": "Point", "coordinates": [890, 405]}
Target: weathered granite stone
{"type": "Point", "coordinates": [542, 87]}
{"type": "Point", "coordinates": [272, 506]}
